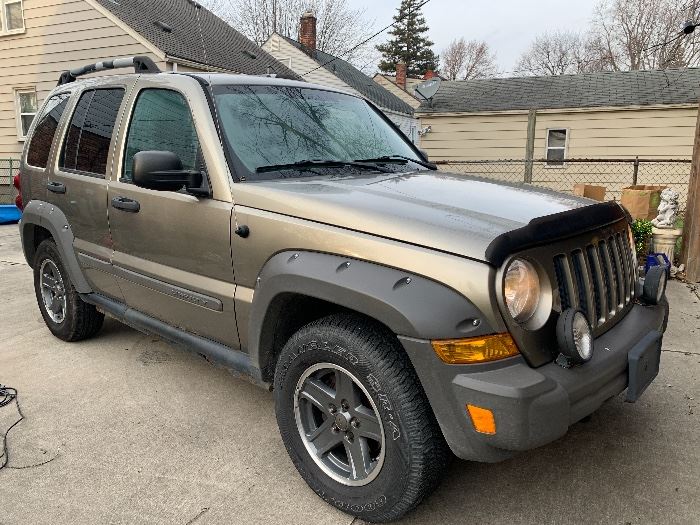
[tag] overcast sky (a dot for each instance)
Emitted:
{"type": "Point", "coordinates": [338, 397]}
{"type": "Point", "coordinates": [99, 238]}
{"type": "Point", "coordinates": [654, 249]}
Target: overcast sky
{"type": "Point", "coordinates": [508, 26]}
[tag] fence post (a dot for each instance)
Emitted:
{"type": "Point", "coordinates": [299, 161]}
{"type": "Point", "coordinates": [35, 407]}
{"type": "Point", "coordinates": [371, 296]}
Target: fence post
{"type": "Point", "coordinates": [636, 171]}
{"type": "Point", "coordinates": [530, 145]}
{"type": "Point", "coordinates": [690, 249]}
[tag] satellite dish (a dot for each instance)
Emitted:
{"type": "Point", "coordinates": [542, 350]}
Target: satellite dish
{"type": "Point", "coordinates": [429, 88]}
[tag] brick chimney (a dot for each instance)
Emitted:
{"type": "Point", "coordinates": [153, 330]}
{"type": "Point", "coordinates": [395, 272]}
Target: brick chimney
{"type": "Point", "coordinates": [307, 31]}
{"type": "Point", "coordinates": [401, 75]}
{"type": "Point", "coordinates": [429, 74]}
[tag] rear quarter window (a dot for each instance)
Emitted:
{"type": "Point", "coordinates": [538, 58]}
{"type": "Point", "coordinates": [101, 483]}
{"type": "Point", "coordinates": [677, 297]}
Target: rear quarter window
{"type": "Point", "coordinates": [45, 130]}
{"type": "Point", "coordinates": [89, 135]}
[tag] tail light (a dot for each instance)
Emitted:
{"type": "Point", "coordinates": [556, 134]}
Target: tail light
{"type": "Point", "coordinates": [17, 185]}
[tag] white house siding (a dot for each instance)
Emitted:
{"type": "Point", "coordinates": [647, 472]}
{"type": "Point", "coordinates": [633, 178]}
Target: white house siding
{"type": "Point", "coordinates": [59, 35]}
{"type": "Point", "coordinates": [301, 64]}
{"type": "Point", "coordinates": [475, 136]}
{"type": "Point", "coordinates": [649, 132]}
{"type": "Point", "coordinates": [406, 123]}
{"type": "Point", "coordinates": [396, 90]}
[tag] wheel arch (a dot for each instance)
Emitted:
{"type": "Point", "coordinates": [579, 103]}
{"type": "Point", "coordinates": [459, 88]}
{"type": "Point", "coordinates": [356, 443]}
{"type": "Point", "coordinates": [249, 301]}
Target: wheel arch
{"type": "Point", "coordinates": [297, 287]}
{"type": "Point", "coordinates": [42, 220]}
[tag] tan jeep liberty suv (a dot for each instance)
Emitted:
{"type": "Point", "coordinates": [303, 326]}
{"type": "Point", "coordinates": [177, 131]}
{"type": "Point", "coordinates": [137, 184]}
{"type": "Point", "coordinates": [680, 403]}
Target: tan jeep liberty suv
{"type": "Point", "coordinates": [291, 233]}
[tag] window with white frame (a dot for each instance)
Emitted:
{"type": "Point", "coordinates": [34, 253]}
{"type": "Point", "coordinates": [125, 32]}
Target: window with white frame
{"type": "Point", "coordinates": [12, 16]}
{"type": "Point", "coordinates": [557, 140]}
{"type": "Point", "coordinates": [25, 101]}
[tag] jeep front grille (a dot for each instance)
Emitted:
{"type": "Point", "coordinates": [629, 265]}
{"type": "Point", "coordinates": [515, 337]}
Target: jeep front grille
{"type": "Point", "coordinates": [597, 279]}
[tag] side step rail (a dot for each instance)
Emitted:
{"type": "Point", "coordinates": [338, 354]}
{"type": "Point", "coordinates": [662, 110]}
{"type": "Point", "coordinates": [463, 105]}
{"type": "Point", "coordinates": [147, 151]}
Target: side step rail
{"type": "Point", "coordinates": [141, 64]}
{"type": "Point", "coordinates": [234, 360]}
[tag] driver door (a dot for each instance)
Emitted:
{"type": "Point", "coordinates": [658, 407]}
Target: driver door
{"type": "Point", "coordinates": [172, 252]}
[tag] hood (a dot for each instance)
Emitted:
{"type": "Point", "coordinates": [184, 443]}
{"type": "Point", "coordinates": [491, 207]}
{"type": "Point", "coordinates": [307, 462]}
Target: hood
{"type": "Point", "coordinates": [452, 213]}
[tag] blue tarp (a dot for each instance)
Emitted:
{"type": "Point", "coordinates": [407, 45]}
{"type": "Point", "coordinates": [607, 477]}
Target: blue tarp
{"type": "Point", "coordinates": [9, 213]}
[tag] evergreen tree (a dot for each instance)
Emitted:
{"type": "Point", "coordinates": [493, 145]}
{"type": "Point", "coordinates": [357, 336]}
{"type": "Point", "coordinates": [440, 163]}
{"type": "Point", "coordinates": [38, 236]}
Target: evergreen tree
{"type": "Point", "coordinates": [408, 42]}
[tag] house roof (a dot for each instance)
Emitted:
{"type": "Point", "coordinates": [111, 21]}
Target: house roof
{"type": "Point", "coordinates": [588, 90]}
{"type": "Point", "coordinates": [357, 80]}
{"type": "Point", "coordinates": [392, 81]}
{"type": "Point", "coordinates": [172, 26]}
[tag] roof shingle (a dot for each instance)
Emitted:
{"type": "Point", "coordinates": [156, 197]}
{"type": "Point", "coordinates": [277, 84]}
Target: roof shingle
{"type": "Point", "coordinates": [357, 80]}
{"type": "Point", "coordinates": [219, 45]}
{"type": "Point", "coordinates": [603, 89]}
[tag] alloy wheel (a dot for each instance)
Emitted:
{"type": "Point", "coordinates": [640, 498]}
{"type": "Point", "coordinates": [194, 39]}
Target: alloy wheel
{"type": "Point", "coordinates": [339, 424]}
{"type": "Point", "coordinates": [53, 291]}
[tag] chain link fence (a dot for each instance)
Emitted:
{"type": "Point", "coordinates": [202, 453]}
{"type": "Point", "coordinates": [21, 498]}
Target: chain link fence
{"type": "Point", "coordinates": [8, 169]}
{"type": "Point", "coordinates": [614, 174]}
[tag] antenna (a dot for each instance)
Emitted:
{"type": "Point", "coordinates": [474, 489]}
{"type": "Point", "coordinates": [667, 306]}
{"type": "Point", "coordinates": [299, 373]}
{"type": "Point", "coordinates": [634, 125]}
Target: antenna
{"type": "Point", "coordinates": [429, 88]}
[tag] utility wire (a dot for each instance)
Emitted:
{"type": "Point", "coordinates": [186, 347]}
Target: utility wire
{"type": "Point", "coordinates": [364, 41]}
{"type": "Point", "coordinates": [7, 396]}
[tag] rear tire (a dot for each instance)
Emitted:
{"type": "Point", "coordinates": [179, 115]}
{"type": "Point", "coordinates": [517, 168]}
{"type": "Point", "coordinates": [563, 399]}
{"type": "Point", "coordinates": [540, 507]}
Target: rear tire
{"type": "Point", "coordinates": [66, 315]}
{"type": "Point", "coordinates": [388, 424]}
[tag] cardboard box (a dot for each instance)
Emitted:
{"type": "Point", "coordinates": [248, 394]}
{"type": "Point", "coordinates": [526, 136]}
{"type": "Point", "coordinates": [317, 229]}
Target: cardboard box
{"type": "Point", "coordinates": [642, 200]}
{"type": "Point", "coordinates": [590, 191]}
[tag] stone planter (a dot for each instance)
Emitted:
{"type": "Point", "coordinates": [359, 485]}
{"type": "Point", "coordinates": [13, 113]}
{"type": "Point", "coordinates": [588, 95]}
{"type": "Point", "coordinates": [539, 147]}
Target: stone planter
{"type": "Point", "coordinates": [663, 240]}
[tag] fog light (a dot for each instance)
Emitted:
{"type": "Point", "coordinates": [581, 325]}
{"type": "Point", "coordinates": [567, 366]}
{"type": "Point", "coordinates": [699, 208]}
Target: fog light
{"type": "Point", "coordinates": [482, 419]}
{"type": "Point", "coordinates": [574, 337]}
{"type": "Point", "coordinates": [654, 285]}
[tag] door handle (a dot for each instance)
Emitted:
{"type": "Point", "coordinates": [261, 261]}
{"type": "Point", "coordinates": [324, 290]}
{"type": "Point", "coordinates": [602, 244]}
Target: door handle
{"type": "Point", "coordinates": [56, 187]}
{"type": "Point", "coordinates": [126, 204]}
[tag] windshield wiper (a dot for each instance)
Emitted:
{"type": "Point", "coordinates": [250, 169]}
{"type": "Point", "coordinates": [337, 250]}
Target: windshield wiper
{"type": "Point", "coordinates": [401, 158]}
{"type": "Point", "coordinates": [320, 163]}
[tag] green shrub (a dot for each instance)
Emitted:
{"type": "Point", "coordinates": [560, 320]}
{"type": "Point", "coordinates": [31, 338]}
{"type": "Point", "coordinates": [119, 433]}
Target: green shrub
{"type": "Point", "coordinates": [641, 229]}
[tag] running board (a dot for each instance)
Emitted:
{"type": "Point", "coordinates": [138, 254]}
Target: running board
{"type": "Point", "coordinates": [233, 360]}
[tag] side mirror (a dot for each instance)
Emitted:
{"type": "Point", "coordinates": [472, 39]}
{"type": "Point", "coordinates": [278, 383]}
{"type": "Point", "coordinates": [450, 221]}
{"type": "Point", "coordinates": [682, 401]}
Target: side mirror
{"type": "Point", "coordinates": [162, 170]}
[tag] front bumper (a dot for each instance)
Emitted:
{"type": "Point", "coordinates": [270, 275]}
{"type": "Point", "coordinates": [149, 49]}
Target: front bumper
{"type": "Point", "coordinates": [531, 406]}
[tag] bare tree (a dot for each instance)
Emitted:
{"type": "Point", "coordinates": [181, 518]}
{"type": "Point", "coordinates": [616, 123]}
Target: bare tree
{"type": "Point", "coordinates": [645, 34]}
{"type": "Point", "coordinates": [340, 27]}
{"type": "Point", "coordinates": [556, 53]}
{"type": "Point", "coordinates": [468, 60]}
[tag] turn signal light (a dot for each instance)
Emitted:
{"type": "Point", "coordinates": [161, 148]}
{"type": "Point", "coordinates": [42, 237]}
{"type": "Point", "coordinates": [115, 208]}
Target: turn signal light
{"type": "Point", "coordinates": [475, 349]}
{"type": "Point", "coordinates": [483, 419]}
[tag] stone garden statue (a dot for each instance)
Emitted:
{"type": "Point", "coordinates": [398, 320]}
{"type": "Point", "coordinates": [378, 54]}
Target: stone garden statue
{"type": "Point", "coordinates": [664, 234]}
{"type": "Point", "coordinates": [668, 209]}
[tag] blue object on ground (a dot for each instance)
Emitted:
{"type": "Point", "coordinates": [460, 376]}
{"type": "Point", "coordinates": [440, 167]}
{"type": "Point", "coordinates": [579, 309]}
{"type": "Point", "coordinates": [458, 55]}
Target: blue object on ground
{"type": "Point", "coordinates": [657, 259]}
{"type": "Point", "coordinates": [9, 213]}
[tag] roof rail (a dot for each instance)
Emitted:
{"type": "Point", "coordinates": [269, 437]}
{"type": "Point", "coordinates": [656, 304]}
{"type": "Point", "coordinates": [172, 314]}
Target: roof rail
{"type": "Point", "coordinates": [141, 64]}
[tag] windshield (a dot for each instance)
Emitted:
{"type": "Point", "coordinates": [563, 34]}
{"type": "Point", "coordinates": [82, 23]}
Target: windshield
{"type": "Point", "coordinates": [266, 126]}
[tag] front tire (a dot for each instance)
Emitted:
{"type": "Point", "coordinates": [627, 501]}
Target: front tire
{"type": "Point", "coordinates": [355, 420]}
{"type": "Point", "coordinates": [66, 315]}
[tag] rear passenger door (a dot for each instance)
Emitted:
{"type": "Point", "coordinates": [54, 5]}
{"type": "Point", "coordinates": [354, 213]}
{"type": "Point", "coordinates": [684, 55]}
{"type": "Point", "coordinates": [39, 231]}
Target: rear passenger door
{"type": "Point", "coordinates": [172, 252]}
{"type": "Point", "coordinates": [78, 183]}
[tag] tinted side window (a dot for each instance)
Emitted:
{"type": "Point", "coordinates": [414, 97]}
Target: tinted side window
{"type": "Point", "coordinates": [161, 121]}
{"type": "Point", "coordinates": [86, 147]}
{"type": "Point", "coordinates": [45, 130]}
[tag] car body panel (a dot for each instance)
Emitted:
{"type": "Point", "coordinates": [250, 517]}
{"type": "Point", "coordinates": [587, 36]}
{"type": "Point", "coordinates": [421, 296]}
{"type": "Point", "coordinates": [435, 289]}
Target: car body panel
{"type": "Point", "coordinates": [85, 199]}
{"type": "Point", "coordinates": [172, 258]}
{"type": "Point", "coordinates": [455, 214]}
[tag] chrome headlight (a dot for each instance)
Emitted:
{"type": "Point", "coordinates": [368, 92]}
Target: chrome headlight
{"type": "Point", "coordinates": [521, 290]}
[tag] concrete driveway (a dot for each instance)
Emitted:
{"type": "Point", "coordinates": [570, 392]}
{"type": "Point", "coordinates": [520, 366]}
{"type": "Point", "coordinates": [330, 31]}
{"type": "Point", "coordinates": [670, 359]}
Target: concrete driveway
{"type": "Point", "coordinates": [126, 429]}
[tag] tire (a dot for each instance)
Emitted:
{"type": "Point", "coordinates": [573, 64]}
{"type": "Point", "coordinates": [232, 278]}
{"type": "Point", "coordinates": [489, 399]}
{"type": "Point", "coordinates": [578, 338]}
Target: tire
{"type": "Point", "coordinates": [69, 317]}
{"type": "Point", "coordinates": [400, 468]}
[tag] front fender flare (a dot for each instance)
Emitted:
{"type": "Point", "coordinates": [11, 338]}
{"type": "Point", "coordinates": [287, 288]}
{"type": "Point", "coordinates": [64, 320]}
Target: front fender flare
{"type": "Point", "coordinates": [51, 218]}
{"type": "Point", "coordinates": [408, 304]}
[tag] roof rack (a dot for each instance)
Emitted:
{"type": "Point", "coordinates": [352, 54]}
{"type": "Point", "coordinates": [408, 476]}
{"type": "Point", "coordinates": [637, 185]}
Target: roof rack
{"type": "Point", "coordinates": [141, 64]}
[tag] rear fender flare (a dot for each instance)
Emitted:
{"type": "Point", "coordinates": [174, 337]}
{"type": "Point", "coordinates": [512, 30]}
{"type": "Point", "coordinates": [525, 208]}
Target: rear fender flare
{"type": "Point", "coordinates": [51, 218]}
